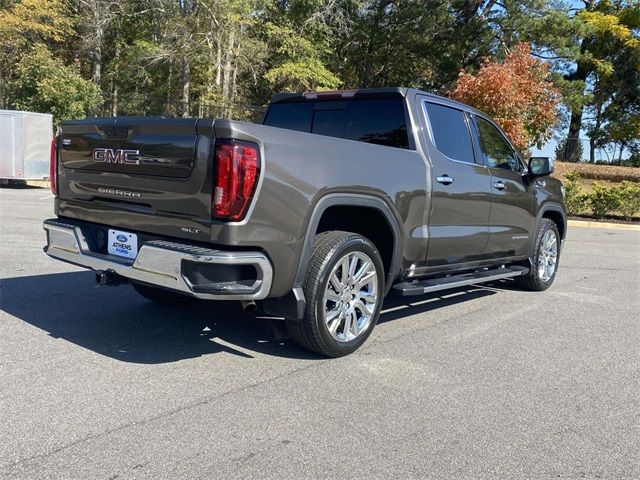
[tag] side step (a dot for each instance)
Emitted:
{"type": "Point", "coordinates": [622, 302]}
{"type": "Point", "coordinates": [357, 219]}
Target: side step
{"type": "Point", "coordinates": [420, 287]}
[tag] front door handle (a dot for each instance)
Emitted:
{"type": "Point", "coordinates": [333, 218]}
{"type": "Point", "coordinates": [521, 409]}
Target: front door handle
{"type": "Point", "coordinates": [499, 185]}
{"type": "Point", "coordinates": [444, 179]}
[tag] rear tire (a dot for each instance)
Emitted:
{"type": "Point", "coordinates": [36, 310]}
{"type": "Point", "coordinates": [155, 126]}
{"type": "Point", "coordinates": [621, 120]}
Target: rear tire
{"type": "Point", "coordinates": [160, 295]}
{"type": "Point", "coordinates": [344, 289]}
{"type": "Point", "coordinates": [545, 258]}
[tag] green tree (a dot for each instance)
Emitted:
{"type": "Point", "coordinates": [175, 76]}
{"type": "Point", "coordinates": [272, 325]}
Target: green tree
{"type": "Point", "coordinates": [298, 62]}
{"type": "Point", "coordinates": [24, 23]}
{"type": "Point", "coordinates": [44, 84]}
{"type": "Point", "coordinates": [298, 41]}
{"type": "Point", "coordinates": [561, 152]}
{"type": "Point", "coordinates": [606, 33]}
{"type": "Point", "coordinates": [615, 111]}
{"type": "Point", "coordinates": [219, 57]}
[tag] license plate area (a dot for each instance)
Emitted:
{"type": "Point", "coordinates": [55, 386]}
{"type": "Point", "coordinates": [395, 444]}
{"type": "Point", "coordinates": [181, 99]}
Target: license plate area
{"type": "Point", "coordinates": [122, 244]}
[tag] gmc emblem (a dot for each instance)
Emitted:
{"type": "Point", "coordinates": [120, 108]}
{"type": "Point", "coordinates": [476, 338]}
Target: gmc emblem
{"type": "Point", "coordinates": [120, 155]}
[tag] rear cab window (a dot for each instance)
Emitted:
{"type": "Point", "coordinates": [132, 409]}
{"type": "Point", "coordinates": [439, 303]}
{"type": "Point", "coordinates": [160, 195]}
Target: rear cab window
{"type": "Point", "coordinates": [377, 121]}
{"type": "Point", "coordinates": [450, 132]}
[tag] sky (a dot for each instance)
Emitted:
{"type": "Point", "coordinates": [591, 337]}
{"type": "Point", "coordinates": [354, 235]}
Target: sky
{"type": "Point", "coordinates": [547, 150]}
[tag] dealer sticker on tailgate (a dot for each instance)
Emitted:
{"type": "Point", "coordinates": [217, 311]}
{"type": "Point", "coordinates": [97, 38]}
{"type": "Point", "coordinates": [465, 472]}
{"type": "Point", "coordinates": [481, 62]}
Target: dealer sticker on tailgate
{"type": "Point", "coordinates": [123, 244]}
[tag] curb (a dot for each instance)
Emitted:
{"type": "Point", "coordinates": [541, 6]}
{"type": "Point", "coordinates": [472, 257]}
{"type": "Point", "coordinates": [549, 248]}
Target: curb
{"type": "Point", "coordinates": [38, 183]}
{"type": "Point", "coordinates": [614, 226]}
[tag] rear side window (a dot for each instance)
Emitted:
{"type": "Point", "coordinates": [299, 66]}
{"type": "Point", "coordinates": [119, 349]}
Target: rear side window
{"type": "Point", "coordinates": [381, 122]}
{"type": "Point", "coordinates": [450, 132]}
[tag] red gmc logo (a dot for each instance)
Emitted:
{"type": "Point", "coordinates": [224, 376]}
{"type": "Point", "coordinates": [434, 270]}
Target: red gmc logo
{"type": "Point", "coordinates": [119, 155]}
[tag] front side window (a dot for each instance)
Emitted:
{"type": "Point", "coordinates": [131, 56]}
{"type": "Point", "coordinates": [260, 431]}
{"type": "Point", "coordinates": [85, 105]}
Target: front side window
{"type": "Point", "coordinates": [495, 148]}
{"type": "Point", "coordinates": [450, 132]}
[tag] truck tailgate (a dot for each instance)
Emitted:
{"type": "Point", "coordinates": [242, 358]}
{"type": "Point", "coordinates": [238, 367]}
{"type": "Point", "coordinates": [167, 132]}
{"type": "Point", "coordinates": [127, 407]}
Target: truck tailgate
{"type": "Point", "coordinates": [152, 174]}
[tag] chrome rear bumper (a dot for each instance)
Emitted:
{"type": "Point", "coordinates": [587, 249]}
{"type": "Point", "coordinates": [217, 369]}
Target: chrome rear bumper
{"type": "Point", "coordinates": [160, 263]}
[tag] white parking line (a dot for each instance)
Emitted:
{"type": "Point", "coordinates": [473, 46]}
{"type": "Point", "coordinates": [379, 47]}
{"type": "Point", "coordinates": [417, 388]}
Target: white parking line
{"type": "Point", "coordinates": [48, 196]}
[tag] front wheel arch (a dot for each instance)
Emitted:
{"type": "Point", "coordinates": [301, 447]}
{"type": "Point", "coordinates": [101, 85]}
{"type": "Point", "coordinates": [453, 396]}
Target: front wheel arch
{"type": "Point", "coordinates": [532, 279]}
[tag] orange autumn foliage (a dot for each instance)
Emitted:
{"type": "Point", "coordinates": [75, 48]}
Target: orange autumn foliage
{"type": "Point", "coordinates": [516, 93]}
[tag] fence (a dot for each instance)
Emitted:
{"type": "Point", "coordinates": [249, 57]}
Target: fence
{"type": "Point", "coordinates": [573, 149]}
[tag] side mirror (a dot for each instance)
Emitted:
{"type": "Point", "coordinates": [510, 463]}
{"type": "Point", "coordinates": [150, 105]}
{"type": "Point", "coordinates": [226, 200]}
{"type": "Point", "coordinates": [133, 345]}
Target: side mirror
{"type": "Point", "coordinates": [540, 166]}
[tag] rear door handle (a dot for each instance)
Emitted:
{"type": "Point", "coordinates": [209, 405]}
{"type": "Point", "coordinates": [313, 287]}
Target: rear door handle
{"type": "Point", "coordinates": [444, 179]}
{"type": "Point", "coordinates": [499, 185]}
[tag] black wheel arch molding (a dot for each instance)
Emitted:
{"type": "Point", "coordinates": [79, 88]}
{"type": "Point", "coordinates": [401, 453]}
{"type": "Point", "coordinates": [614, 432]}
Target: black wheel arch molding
{"type": "Point", "coordinates": [557, 211]}
{"type": "Point", "coordinates": [557, 208]}
{"type": "Point", "coordinates": [351, 200]}
{"type": "Point", "coordinates": [293, 304]}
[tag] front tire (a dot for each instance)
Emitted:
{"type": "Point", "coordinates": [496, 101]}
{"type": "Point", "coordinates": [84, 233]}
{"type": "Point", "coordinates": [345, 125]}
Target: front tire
{"type": "Point", "coordinates": [344, 289]}
{"type": "Point", "coordinates": [545, 258]}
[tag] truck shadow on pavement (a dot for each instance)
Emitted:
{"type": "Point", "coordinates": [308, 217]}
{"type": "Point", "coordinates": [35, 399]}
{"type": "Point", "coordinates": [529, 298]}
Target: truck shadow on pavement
{"type": "Point", "coordinates": [116, 322]}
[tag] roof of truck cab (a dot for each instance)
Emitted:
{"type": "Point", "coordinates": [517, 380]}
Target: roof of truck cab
{"type": "Point", "coordinates": [361, 93]}
{"type": "Point", "coordinates": [350, 93]}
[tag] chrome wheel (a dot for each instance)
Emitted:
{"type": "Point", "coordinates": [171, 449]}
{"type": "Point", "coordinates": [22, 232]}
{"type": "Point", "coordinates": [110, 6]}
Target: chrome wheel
{"type": "Point", "coordinates": [548, 256]}
{"type": "Point", "coordinates": [351, 296]}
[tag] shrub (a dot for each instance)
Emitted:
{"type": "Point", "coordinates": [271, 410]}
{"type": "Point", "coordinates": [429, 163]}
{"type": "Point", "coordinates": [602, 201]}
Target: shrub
{"type": "Point", "coordinates": [633, 160]}
{"type": "Point", "coordinates": [575, 201]}
{"type": "Point", "coordinates": [603, 200]}
{"type": "Point", "coordinates": [629, 198]}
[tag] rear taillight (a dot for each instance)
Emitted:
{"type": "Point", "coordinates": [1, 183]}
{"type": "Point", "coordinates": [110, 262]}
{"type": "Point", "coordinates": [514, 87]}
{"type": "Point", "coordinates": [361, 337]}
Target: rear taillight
{"type": "Point", "coordinates": [237, 169]}
{"type": "Point", "coordinates": [53, 166]}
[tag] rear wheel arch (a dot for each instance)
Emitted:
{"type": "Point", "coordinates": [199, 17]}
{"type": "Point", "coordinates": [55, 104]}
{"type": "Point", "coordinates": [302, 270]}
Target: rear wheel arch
{"type": "Point", "coordinates": [351, 212]}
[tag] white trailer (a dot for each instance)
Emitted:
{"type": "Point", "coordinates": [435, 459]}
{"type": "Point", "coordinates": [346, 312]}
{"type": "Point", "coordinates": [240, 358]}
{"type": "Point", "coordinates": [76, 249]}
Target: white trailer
{"type": "Point", "coordinates": [25, 142]}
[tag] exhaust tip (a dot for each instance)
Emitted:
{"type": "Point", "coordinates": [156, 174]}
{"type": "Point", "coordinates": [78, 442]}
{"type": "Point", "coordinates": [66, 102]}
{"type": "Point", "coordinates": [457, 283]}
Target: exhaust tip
{"type": "Point", "coordinates": [249, 306]}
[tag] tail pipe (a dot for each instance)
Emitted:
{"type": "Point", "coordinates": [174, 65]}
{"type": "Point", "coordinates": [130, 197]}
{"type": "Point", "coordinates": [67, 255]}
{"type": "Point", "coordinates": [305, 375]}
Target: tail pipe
{"type": "Point", "coordinates": [249, 306]}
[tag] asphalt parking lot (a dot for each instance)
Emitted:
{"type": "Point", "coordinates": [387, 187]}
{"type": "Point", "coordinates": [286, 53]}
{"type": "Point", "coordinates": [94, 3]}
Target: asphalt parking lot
{"type": "Point", "coordinates": [482, 382]}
